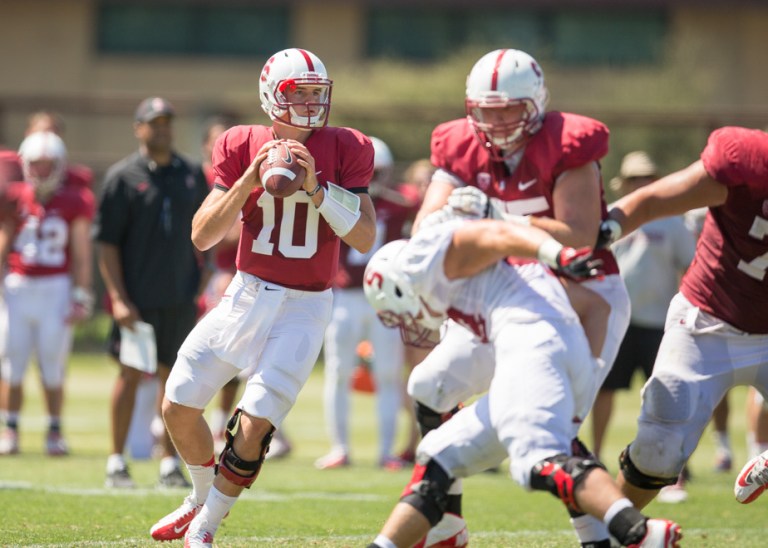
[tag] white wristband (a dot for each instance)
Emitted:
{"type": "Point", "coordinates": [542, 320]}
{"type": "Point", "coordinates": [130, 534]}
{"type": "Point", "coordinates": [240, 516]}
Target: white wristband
{"type": "Point", "coordinates": [549, 251]}
{"type": "Point", "coordinates": [340, 209]}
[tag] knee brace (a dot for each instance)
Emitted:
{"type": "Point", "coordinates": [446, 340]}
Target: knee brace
{"type": "Point", "coordinates": [429, 419]}
{"type": "Point", "coordinates": [561, 475]}
{"type": "Point", "coordinates": [427, 491]}
{"type": "Point", "coordinates": [231, 465]}
{"type": "Point", "coordinates": [638, 478]}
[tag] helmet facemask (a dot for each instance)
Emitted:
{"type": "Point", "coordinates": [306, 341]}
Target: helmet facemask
{"type": "Point", "coordinates": [321, 107]}
{"type": "Point", "coordinates": [501, 138]}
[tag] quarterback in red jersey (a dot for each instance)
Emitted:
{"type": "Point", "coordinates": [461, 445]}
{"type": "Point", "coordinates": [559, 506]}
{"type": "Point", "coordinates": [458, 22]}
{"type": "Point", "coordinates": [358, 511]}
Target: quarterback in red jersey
{"type": "Point", "coordinates": [46, 244]}
{"type": "Point", "coordinates": [354, 320]}
{"type": "Point", "coordinates": [717, 326]}
{"type": "Point", "coordinates": [512, 159]}
{"type": "Point", "coordinates": [275, 311]}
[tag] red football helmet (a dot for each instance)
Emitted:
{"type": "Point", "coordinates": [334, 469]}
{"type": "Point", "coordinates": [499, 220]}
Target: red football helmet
{"type": "Point", "coordinates": [287, 70]}
{"type": "Point", "coordinates": [390, 293]}
{"type": "Point", "coordinates": [503, 78]}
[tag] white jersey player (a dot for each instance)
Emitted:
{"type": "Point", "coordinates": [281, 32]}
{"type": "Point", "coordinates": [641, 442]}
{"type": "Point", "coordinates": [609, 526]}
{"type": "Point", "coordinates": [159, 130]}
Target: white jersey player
{"type": "Point", "coordinates": [544, 377]}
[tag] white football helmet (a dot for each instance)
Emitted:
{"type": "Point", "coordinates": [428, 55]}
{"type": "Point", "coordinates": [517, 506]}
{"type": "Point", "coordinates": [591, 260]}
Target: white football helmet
{"type": "Point", "coordinates": [43, 145]}
{"type": "Point", "coordinates": [396, 303]}
{"type": "Point", "coordinates": [383, 164]}
{"type": "Point", "coordinates": [292, 68]}
{"type": "Point", "coordinates": [502, 78]}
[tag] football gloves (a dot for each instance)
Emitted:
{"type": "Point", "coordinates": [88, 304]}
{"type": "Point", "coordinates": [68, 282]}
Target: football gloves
{"type": "Point", "coordinates": [609, 232]}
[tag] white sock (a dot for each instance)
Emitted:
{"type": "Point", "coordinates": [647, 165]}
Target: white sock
{"type": "Point", "coordinates": [589, 528]}
{"type": "Point", "coordinates": [201, 476]}
{"type": "Point", "coordinates": [457, 487]}
{"type": "Point", "coordinates": [217, 504]}
{"type": "Point", "coordinates": [115, 462]}
{"type": "Point", "coordinates": [723, 442]}
{"type": "Point", "coordinates": [168, 465]}
{"type": "Point", "coordinates": [383, 542]}
{"type": "Point", "coordinates": [615, 508]}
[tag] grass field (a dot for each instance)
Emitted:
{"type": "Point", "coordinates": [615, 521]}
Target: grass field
{"type": "Point", "coordinates": [62, 501]}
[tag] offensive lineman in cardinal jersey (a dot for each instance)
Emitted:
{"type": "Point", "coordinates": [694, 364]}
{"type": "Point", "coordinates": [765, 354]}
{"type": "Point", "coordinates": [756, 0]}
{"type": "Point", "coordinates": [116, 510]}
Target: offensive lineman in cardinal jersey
{"type": "Point", "coordinates": [47, 245]}
{"type": "Point", "coordinates": [532, 167]}
{"type": "Point", "coordinates": [717, 325]}
{"type": "Point", "coordinates": [277, 307]}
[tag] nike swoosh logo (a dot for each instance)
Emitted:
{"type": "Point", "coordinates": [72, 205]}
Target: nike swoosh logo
{"type": "Point", "coordinates": [743, 478]}
{"type": "Point", "coordinates": [526, 185]}
{"type": "Point", "coordinates": [181, 529]}
{"type": "Point", "coordinates": [271, 289]}
{"type": "Point", "coordinates": [287, 158]}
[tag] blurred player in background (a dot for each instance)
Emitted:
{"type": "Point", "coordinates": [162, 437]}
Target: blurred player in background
{"type": "Point", "coordinates": [416, 180]}
{"type": "Point", "coordinates": [46, 244]}
{"type": "Point", "coordinates": [526, 165]}
{"type": "Point", "coordinates": [544, 377]}
{"type": "Point", "coordinates": [353, 320]}
{"type": "Point", "coordinates": [150, 268]}
{"type": "Point", "coordinates": [717, 325]}
{"type": "Point", "coordinates": [652, 260]}
{"type": "Point", "coordinates": [279, 303]}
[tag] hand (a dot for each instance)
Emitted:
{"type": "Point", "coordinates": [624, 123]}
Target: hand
{"type": "Point", "coordinates": [439, 216]}
{"type": "Point", "coordinates": [578, 264]}
{"type": "Point", "coordinates": [82, 305]}
{"type": "Point", "coordinates": [251, 175]}
{"type": "Point", "coordinates": [307, 161]}
{"type": "Point", "coordinates": [609, 232]}
{"type": "Point", "coordinates": [469, 201]}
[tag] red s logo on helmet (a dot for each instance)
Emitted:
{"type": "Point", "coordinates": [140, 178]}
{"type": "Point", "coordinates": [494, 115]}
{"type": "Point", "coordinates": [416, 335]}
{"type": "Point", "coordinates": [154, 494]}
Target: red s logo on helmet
{"type": "Point", "coordinates": [374, 279]}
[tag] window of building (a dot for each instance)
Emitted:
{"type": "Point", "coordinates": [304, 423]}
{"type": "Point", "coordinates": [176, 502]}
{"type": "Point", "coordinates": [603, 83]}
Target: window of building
{"type": "Point", "coordinates": [566, 36]}
{"type": "Point", "coordinates": [179, 29]}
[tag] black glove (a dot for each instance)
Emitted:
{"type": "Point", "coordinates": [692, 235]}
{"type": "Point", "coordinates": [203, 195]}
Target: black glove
{"type": "Point", "coordinates": [578, 264]}
{"type": "Point", "coordinates": [609, 232]}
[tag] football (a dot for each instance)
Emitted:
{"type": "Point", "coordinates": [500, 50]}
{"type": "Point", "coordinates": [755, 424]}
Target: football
{"type": "Point", "coordinates": [280, 173]}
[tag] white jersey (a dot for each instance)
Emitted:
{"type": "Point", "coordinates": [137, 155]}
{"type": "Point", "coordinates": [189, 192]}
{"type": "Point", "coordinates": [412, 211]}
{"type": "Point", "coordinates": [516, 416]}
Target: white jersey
{"type": "Point", "coordinates": [502, 293]}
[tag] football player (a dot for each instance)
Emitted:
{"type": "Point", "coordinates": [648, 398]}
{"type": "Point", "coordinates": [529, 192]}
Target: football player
{"type": "Point", "coordinates": [511, 157]}
{"type": "Point", "coordinates": [275, 311]}
{"type": "Point", "coordinates": [353, 321]}
{"type": "Point", "coordinates": [543, 380]}
{"type": "Point", "coordinates": [46, 244]}
{"type": "Point", "coordinates": [717, 326]}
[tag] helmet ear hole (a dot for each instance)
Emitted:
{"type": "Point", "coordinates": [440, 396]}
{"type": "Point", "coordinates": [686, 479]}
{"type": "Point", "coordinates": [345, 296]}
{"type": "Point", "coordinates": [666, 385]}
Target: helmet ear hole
{"type": "Point", "coordinates": [398, 292]}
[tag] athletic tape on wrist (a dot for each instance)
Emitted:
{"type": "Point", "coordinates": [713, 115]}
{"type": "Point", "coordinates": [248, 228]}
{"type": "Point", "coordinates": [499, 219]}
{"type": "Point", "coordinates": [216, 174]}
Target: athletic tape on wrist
{"type": "Point", "coordinates": [340, 209]}
{"type": "Point", "coordinates": [548, 252]}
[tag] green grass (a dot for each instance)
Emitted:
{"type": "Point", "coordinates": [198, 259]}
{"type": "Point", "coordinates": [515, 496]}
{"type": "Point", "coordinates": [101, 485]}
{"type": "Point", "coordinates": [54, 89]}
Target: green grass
{"type": "Point", "coordinates": [62, 502]}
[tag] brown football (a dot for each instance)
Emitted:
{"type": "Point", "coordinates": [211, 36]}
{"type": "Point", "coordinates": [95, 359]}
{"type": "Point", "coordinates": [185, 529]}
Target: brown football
{"type": "Point", "coordinates": [280, 173]}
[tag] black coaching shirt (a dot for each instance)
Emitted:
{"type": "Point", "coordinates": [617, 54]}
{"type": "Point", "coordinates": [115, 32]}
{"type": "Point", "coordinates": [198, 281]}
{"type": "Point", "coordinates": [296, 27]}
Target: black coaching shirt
{"type": "Point", "coordinates": [146, 211]}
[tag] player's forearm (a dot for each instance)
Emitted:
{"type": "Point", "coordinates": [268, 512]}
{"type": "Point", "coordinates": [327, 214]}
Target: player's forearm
{"type": "Point", "coordinates": [217, 215]}
{"type": "Point", "coordinates": [82, 255]}
{"type": "Point", "coordinates": [435, 198]}
{"type": "Point", "coordinates": [363, 234]}
{"type": "Point", "coordinates": [110, 267]}
{"type": "Point", "coordinates": [573, 234]}
{"type": "Point", "coordinates": [674, 194]}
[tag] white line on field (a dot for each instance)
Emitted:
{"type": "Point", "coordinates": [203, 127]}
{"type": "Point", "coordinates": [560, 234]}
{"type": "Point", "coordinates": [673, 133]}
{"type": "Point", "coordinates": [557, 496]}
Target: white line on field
{"type": "Point", "coordinates": [256, 495]}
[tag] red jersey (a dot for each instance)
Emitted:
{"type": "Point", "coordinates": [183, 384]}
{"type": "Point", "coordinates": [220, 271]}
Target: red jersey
{"type": "Point", "coordinates": [565, 141]}
{"type": "Point", "coordinates": [392, 219]}
{"type": "Point", "coordinates": [727, 277]}
{"type": "Point", "coordinates": [42, 239]}
{"type": "Point", "coordinates": [286, 240]}
{"type": "Point", "coordinates": [224, 255]}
